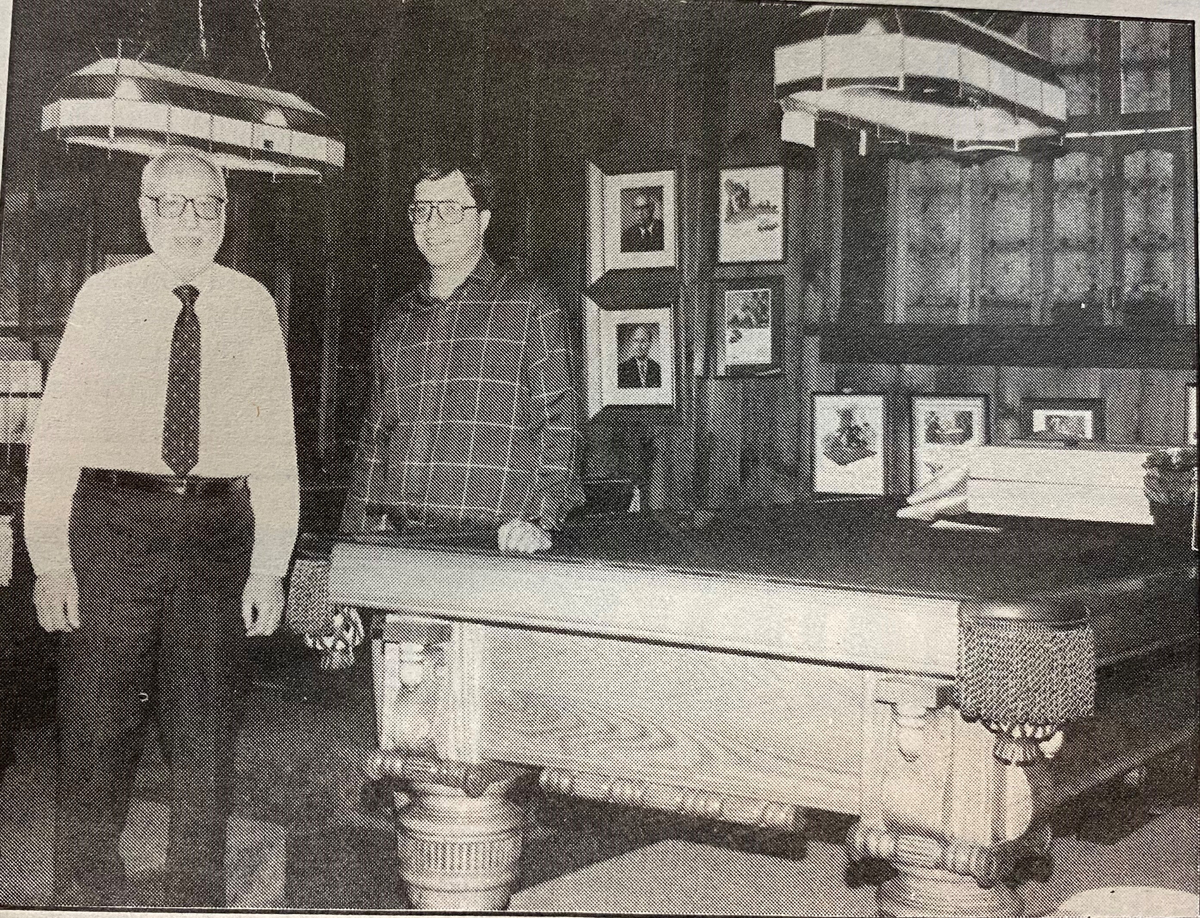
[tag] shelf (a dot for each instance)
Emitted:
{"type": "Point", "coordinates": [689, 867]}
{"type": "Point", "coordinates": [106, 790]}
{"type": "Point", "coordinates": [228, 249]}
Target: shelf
{"type": "Point", "coordinates": [1067, 345]}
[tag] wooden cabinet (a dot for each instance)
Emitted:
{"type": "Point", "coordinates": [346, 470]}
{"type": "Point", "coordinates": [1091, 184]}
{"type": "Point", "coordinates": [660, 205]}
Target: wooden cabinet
{"type": "Point", "coordinates": [1101, 235]}
{"type": "Point", "coordinates": [1090, 238]}
{"type": "Point", "coordinates": [1076, 234]}
{"type": "Point", "coordinates": [1119, 74]}
{"type": "Point", "coordinates": [1122, 240]}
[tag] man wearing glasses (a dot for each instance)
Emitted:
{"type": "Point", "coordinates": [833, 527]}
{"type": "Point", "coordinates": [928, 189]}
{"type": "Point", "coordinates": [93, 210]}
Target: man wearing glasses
{"type": "Point", "coordinates": [160, 515]}
{"type": "Point", "coordinates": [472, 418]}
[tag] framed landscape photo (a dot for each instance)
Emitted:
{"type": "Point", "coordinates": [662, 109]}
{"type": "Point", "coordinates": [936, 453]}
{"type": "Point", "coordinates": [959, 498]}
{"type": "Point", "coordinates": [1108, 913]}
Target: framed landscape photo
{"type": "Point", "coordinates": [1069, 420]}
{"type": "Point", "coordinates": [751, 219]}
{"type": "Point", "coordinates": [848, 443]}
{"type": "Point", "coordinates": [639, 217]}
{"type": "Point", "coordinates": [943, 427]}
{"type": "Point", "coordinates": [749, 319]}
{"type": "Point", "coordinates": [636, 356]}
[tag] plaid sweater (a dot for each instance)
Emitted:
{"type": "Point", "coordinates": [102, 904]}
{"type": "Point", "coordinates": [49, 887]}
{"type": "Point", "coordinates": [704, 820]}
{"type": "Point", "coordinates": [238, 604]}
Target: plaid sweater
{"type": "Point", "coordinates": [473, 417]}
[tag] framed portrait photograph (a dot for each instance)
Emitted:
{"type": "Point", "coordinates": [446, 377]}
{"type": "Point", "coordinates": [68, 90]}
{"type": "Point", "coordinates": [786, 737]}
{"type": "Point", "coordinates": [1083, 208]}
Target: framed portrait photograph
{"type": "Point", "coordinates": [1068, 420]}
{"type": "Point", "coordinates": [943, 426]}
{"type": "Point", "coordinates": [749, 320]}
{"type": "Point", "coordinates": [636, 356]}
{"type": "Point", "coordinates": [639, 220]}
{"type": "Point", "coordinates": [751, 220]}
{"type": "Point", "coordinates": [848, 443]}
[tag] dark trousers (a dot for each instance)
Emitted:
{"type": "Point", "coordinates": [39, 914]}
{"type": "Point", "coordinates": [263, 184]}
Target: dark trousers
{"type": "Point", "coordinates": [160, 584]}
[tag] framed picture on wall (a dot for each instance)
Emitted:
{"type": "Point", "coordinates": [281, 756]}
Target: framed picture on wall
{"type": "Point", "coordinates": [751, 220]}
{"type": "Point", "coordinates": [635, 357]}
{"type": "Point", "coordinates": [848, 443]}
{"type": "Point", "coordinates": [1068, 420]}
{"type": "Point", "coordinates": [639, 220]}
{"type": "Point", "coordinates": [749, 320]}
{"type": "Point", "coordinates": [943, 427]}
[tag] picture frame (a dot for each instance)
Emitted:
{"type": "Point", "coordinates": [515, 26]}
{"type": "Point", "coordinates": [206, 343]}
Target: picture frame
{"type": "Point", "coordinates": [944, 427]}
{"type": "Point", "coordinates": [848, 443]}
{"type": "Point", "coordinates": [748, 315]}
{"type": "Point", "coordinates": [750, 220]}
{"type": "Point", "coordinates": [639, 217]}
{"type": "Point", "coordinates": [631, 356]}
{"type": "Point", "coordinates": [1064, 420]}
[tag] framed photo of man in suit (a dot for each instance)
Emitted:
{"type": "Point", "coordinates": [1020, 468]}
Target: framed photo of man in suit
{"type": "Point", "coordinates": [635, 356]}
{"type": "Point", "coordinates": [639, 220]}
{"type": "Point", "coordinates": [643, 230]}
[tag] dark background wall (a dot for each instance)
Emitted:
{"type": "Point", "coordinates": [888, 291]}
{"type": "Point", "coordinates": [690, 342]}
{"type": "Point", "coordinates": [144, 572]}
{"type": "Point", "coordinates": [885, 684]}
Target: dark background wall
{"type": "Point", "coordinates": [541, 88]}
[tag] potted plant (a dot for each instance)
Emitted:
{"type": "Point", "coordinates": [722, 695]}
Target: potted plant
{"type": "Point", "coordinates": [1170, 486]}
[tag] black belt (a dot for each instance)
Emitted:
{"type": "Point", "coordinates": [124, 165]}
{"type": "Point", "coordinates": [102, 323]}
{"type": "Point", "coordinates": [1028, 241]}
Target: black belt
{"type": "Point", "coordinates": [165, 484]}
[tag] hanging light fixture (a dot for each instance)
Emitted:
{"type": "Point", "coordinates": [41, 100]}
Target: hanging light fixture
{"type": "Point", "coordinates": [137, 107]}
{"type": "Point", "coordinates": [916, 81]}
{"type": "Point", "coordinates": [129, 105]}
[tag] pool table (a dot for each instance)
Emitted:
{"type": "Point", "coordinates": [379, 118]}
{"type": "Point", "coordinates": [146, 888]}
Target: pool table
{"type": "Point", "coordinates": [948, 688]}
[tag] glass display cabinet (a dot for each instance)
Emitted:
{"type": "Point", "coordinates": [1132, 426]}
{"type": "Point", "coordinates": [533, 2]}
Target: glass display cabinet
{"type": "Point", "coordinates": [1097, 235]}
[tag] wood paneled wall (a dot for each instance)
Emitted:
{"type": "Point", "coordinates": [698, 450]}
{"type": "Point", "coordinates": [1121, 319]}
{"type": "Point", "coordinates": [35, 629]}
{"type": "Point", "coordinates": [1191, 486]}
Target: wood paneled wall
{"type": "Point", "coordinates": [541, 89]}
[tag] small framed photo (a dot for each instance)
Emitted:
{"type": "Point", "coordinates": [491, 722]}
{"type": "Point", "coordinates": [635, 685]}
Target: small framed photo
{"type": "Point", "coordinates": [639, 220]}
{"type": "Point", "coordinates": [749, 319]}
{"type": "Point", "coordinates": [1191, 416]}
{"type": "Point", "coordinates": [636, 356]}
{"type": "Point", "coordinates": [943, 426]}
{"type": "Point", "coordinates": [1068, 420]}
{"type": "Point", "coordinates": [751, 225]}
{"type": "Point", "coordinates": [848, 443]}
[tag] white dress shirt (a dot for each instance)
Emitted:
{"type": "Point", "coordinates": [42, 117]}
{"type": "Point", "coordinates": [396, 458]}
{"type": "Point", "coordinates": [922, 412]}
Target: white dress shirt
{"type": "Point", "coordinates": [105, 394]}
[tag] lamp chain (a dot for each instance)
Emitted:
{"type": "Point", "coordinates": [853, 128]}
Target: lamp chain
{"type": "Point", "coordinates": [203, 37]}
{"type": "Point", "coordinates": [262, 34]}
{"type": "Point", "coordinates": [144, 13]}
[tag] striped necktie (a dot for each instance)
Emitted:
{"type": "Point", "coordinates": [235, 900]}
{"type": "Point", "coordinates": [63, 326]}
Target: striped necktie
{"type": "Point", "coordinates": [181, 417]}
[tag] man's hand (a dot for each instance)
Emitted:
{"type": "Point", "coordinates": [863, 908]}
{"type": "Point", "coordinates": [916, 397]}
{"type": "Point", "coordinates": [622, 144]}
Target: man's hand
{"type": "Point", "coordinates": [519, 535]}
{"type": "Point", "coordinates": [56, 596]}
{"type": "Point", "coordinates": [262, 604]}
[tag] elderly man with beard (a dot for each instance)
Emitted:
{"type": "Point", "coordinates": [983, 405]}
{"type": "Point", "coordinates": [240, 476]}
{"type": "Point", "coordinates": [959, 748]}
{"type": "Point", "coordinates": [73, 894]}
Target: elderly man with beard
{"type": "Point", "coordinates": [160, 516]}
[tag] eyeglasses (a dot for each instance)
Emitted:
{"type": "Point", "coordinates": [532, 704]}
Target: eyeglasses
{"type": "Point", "coordinates": [171, 206]}
{"type": "Point", "coordinates": [450, 211]}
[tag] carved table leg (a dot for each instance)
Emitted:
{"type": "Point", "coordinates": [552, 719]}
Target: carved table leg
{"type": "Point", "coordinates": [461, 853]}
{"type": "Point", "coordinates": [926, 891]}
{"type": "Point", "coordinates": [461, 820]}
{"type": "Point", "coordinates": [950, 818]}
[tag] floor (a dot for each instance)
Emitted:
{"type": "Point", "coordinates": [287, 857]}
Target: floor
{"type": "Point", "coordinates": [310, 833]}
